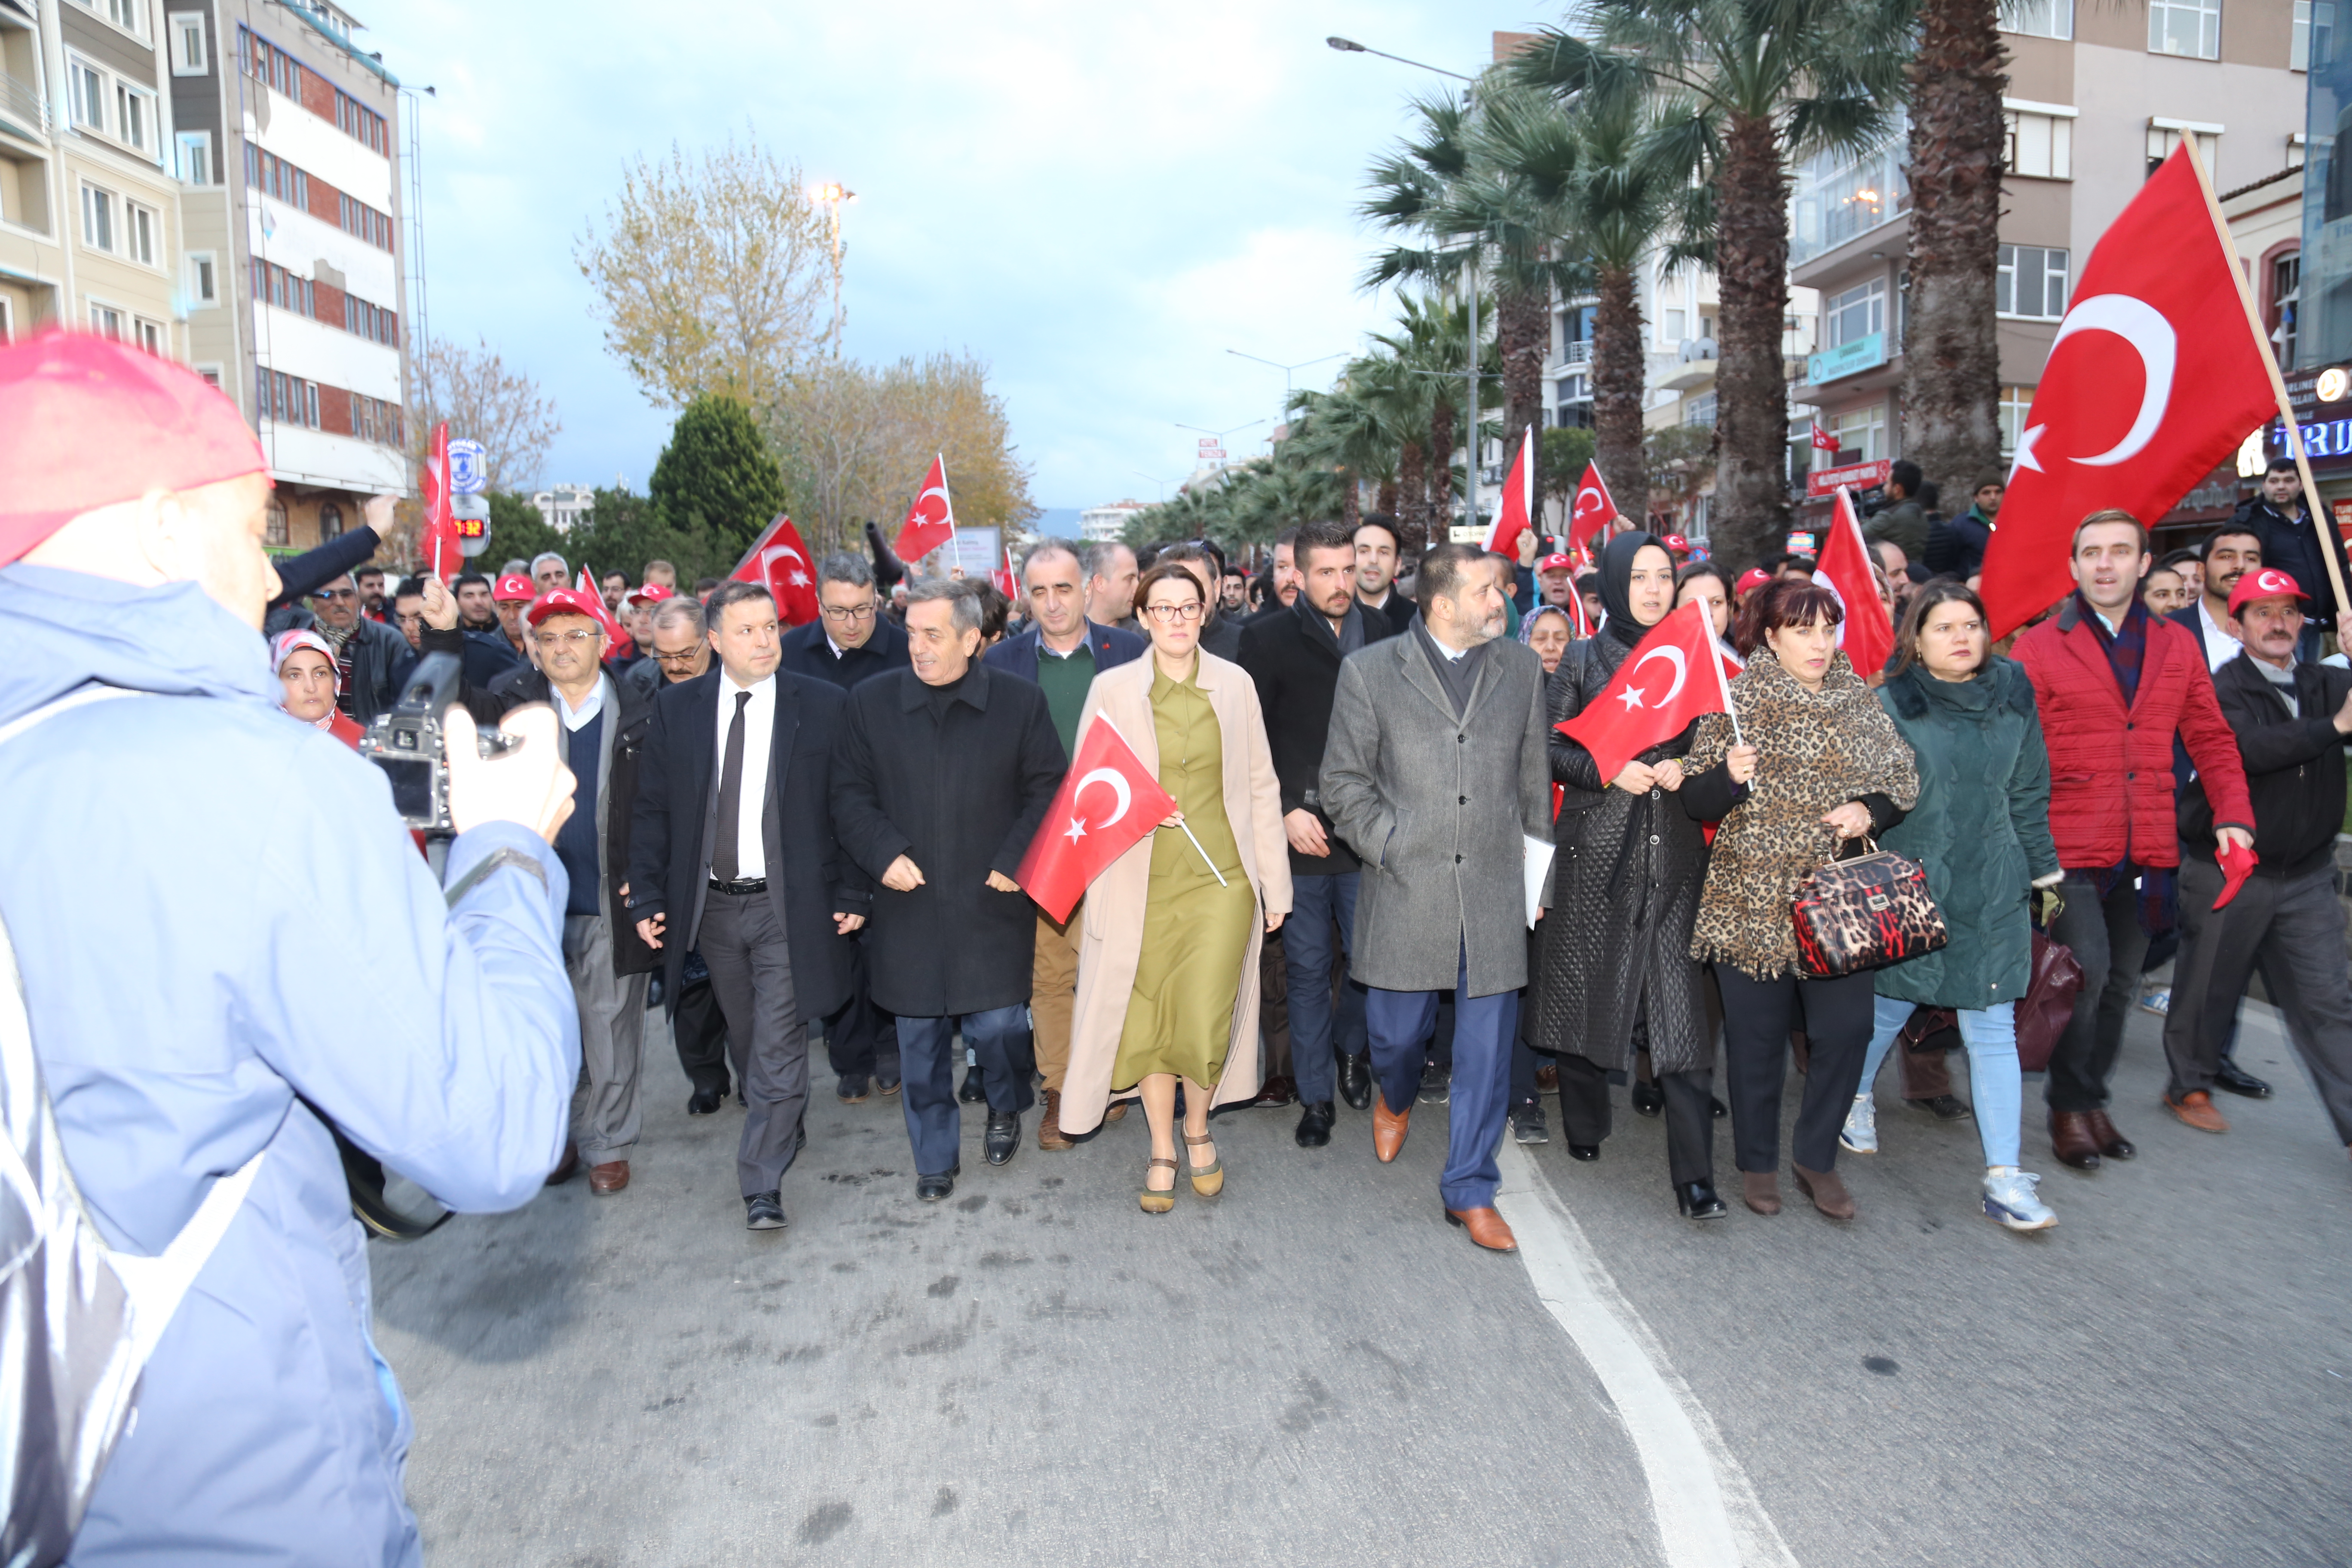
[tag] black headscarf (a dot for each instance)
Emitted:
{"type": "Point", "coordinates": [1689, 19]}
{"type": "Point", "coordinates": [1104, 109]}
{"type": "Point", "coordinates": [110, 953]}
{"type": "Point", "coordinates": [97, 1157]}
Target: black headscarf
{"type": "Point", "coordinates": [1616, 580]}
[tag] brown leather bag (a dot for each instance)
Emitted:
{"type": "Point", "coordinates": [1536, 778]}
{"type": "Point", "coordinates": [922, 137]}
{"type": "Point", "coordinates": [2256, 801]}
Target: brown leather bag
{"type": "Point", "coordinates": [1864, 913]}
{"type": "Point", "coordinates": [2049, 1003]}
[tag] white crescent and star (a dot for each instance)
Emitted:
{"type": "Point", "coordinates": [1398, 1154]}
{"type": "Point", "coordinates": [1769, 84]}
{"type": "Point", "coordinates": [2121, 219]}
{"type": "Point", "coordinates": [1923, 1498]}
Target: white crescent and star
{"type": "Point", "coordinates": [1631, 696]}
{"type": "Point", "coordinates": [1598, 503]}
{"type": "Point", "coordinates": [1117, 781]}
{"type": "Point", "coordinates": [2151, 336]}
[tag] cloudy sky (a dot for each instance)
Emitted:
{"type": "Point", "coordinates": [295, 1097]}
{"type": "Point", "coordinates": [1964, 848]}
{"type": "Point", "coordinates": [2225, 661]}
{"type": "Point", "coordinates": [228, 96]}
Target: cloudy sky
{"type": "Point", "coordinates": [1098, 200]}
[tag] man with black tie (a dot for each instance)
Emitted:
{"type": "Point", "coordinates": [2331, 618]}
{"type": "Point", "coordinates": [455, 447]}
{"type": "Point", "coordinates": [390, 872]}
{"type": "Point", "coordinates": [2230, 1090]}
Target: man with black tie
{"type": "Point", "coordinates": [734, 836]}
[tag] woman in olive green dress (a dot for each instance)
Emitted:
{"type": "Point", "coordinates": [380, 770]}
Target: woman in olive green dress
{"type": "Point", "coordinates": [1167, 990]}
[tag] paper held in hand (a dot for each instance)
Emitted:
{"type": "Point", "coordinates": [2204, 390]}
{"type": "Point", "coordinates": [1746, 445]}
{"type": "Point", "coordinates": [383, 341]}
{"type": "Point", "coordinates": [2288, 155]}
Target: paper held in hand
{"type": "Point", "coordinates": [1538, 870]}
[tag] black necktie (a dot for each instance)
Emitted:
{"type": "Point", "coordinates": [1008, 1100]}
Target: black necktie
{"type": "Point", "coordinates": [723, 863]}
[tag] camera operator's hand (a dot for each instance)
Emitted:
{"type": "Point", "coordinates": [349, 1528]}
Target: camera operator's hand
{"type": "Point", "coordinates": [440, 607]}
{"type": "Point", "coordinates": [529, 785]}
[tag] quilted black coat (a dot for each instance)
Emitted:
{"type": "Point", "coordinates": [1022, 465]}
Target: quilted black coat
{"type": "Point", "coordinates": [1625, 890]}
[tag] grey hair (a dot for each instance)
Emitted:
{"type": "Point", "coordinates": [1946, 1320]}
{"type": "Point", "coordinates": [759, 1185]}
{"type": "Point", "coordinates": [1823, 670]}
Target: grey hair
{"type": "Point", "coordinates": [965, 601]}
{"type": "Point", "coordinates": [550, 556]}
{"type": "Point", "coordinates": [678, 612]}
{"type": "Point", "coordinates": [1095, 560]}
{"type": "Point", "coordinates": [844, 567]}
{"type": "Point", "coordinates": [1046, 549]}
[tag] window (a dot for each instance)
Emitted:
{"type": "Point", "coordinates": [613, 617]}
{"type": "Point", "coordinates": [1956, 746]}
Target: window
{"type": "Point", "coordinates": [276, 176]}
{"type": "Point", "coordinates": [2030, 282]}
{"type": "Point", "coordinates": [2286, 299]}
{"type": "Point", "coordinates": [2039, 18]}
{"type": "Point", "coordinates": [275, 525]}
{"type": "Point", "coordinates": [212, 376]}
{"type": "Point", "coordinates": [203, 279]}
{"type": "Point", "coordinates": [195, 156]}
{"type": "Point", "coordinates": [134, 116]}
{"type": "Point", "coordinates": [86, 86]}
{"type": "Point", "coordinates": [106, 320]}
{"type": "Point", "coordinates": [331, 521]}
{"type": "Point", "coordinates": [147, 335]}
{"type": "Point", "coordinates": [2191, 27]}
{"type": "Point", "coordinates": [187, 38]}
{"type": "Point", "coordinates": [1670, 327]}
{"type": "Point", "coordinates": [359, 218]}
{"type": "Point", "coordinates": [2041, 145]}
{"type": "Point", "coordinates": [266, 62]}
{"type": "Point", "coordinates": [2014, 402]}
{"type": "Point", "coordinates": [1855, 314]}
{"type": "Point", "coordinates": [2315, 26]}
{"type": "Point", "coordinates": [363, 123]}
{"type": "Point", "coordinates": [97, 218]}
{"type": "Point", "coordinates": [7, 319]}
{"type": "Point", "coordinates": [1861, 431]}
{"type": "Point", "coordinates": [131, 15]}
{"type": "Point", "coordinates": [2164, 139]}
{"type": "Point", "coordinates": [1699, 410]}
{"type": "Point", "coordinates": [140, 227]}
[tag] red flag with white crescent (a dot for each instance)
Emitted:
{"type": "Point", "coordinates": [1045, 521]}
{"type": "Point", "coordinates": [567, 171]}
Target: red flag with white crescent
{"type": "Point", "coordinates": [930, 521]}
{"type": "Point", "coordinates": [780, 562]}
{"type": "Point", "coordinates": [1516, 514]}
{"type": "Point", "coordinates": [1107, 804]}
{"type": "Point", "coordinates": [2158, 372]}
{"type": "Point", "coordinates": [618, 643]}
{"type": "Point", "coordinates": [1843, 568]}
{"type": "Point", "coordinates": [437, 540]}
{"type": "Point", "coordinates": [1589, 513]}
{"type": "Point", "coordinates": [1670, 679]}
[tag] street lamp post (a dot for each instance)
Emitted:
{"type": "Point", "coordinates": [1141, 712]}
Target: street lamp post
{"type": "Point", "coordinates": [830, 195]}
{"type": "Point", "coordinates": [1220, 435]}
{"type": "Point", "coordinates": [1285, 370]}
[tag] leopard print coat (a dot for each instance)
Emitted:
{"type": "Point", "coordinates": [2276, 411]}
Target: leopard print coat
{"type": "Point", "coordinates": [1818, 750]}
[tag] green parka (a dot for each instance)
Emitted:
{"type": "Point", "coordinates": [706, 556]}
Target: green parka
{"type": "Point", "coordinates": [1982, 829]}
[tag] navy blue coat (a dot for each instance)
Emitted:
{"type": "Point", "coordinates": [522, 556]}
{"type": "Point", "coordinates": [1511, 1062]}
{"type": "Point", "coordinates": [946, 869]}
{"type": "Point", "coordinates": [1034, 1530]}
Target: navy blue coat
{"type": "Point", "coordinates": [1018, 654]}
{"type": "Point", "coordinates": [805, 653]}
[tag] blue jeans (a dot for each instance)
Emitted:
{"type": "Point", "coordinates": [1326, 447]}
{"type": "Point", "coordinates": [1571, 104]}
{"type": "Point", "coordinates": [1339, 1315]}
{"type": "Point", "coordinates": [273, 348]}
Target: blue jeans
{"type": "Point", "coordinates": [1397, 1024]}
{"type": "Point", "coordinates": [1309, 956]}
{"type": "Point", "coordinates": [1000, 1037]}
{"type": "Point", "coordinates": [1994, 1080]}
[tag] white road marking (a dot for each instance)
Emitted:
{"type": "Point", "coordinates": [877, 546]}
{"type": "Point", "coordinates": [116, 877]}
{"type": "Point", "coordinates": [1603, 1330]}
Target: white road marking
{"type": "Point", "coordinates": [1708, 1515]}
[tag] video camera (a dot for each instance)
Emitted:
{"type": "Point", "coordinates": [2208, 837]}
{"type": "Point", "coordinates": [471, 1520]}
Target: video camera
{"type": "Point", "coordinates": [408, 744]}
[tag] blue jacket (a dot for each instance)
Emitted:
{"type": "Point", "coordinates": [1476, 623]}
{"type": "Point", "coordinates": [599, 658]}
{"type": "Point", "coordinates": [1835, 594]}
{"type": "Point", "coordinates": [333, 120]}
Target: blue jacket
{"type": "Point", "coordinates": [217, 912]}
{"type": "Point", "coordinates": [1019, 656]}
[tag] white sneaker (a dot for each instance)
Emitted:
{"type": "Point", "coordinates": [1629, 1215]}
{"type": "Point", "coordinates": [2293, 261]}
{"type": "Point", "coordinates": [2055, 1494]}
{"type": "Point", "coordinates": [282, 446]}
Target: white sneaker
{"type": "Point", "coordinates": [1860, 1133]}
{"type": "Point", "coordinates": [2009, 1198]}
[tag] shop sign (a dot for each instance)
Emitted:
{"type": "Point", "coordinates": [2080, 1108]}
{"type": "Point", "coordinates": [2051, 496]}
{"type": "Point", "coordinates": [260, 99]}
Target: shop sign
{"type": "Point", "coordinates": [1846, 359]}
{"type": "Point", "coordinates": [1854, 475]}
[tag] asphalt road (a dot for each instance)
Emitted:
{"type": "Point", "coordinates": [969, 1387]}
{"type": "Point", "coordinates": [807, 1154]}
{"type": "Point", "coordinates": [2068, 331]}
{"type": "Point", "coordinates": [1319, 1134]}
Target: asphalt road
{"type": "Point", "coordinates": [1315, 1369]}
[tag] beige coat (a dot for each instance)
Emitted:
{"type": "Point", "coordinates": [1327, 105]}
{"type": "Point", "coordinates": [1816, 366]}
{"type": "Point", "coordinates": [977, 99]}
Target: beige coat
{"type": "Point", "coordinates": [1113, 942]}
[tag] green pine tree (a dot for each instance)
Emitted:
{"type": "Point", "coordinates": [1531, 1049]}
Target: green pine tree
{"type": "Point", "coordinates": [716, 468]}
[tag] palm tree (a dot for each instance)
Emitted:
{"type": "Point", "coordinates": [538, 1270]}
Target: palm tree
{"type": "Point", "coordinates": [1951, 362]}
{"type": "Point", "coordinates": [1745, 88]}
{"type": "Point", "coordinates": [1344, 431]}
{"type": "Point", "coordinates": [1405, 403]}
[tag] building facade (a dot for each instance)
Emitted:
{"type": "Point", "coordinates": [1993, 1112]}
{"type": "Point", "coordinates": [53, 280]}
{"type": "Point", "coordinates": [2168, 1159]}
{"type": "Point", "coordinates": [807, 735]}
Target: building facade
{"type": "Point", "coordinates": [286, 139]}
{"type": "Point", "coordinates": [564, 507]}
{"type": "Point", "coordinates": [1102, 524]}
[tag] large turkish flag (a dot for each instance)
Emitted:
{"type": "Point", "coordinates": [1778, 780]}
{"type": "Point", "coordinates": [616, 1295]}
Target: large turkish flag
{"type": "Point", "coordinates": [1513, 518]}
{"type": "Point", "coordinates": [930, 521]}
{"type": "Point", "coordinates": [1592, 509]}
{"type": "Point", "coordinates": [2157, 372]}
{"type": "Point", "coordinates": [1670, 679]}
{"type": "Point", "coordinates": [1084, 832]}
{"type": "Point", "coordinates": [1843, 568]}
{"type": "Point", "coordinates": [780, 562]}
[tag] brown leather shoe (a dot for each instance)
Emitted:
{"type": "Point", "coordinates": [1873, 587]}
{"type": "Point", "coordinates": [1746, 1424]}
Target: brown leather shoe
{"type": "Point", "coordinates": [2071, 1139]}
{"type": "Point", "coordinates": [1115, 1111]}
{"type": "Point", "coordinates": [1547, 1080]}
{"type": "Point", "coordinates": [2196, 1108]}
{"type": "Point", "coordinates": [2112, 1143]}
{"type": "Point", "coordinates": [565, 1168]}
{"type": "Point", "coordinates": [1049, 1127]}
{"type": "Point", "coordinates": [1761, 1189]}
{"type": "Point", "coordinates": [609, 1177]}
{"type": "Point", "coordinates": [1388, 1128]}
{"type": "Point", "coordinates": [1486, 1227]}
{"type": "Point", "coordinates": [1827, 1189]}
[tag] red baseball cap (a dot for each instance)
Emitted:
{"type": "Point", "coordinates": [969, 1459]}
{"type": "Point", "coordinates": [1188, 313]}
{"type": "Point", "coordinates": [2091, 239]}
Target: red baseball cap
{"type": "Point", "coordinates": [1555, 564]}
{"type": "Point", "coordinates": [2270, 583]}
{"type": "Point", "coordinates": [1754, 577]}
{"type": "Point", "coordinates": [513, 587]}
{"type": "Point", "coordinates": [651, 594]}
{"type": "Point", "coordinates": [565, 602]}
{"type": "Point", "coordinates": [87, 422]}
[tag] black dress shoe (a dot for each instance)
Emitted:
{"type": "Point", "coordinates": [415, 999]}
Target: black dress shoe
{"type": "Point", "coordinates": [1648, 1099]}
{"type": "Point", "coordinates": [972, 1093]}
{"type": "Point", "coordinates": [931, 1189]}
{"type": "Point", "coordinates": [1315, 1124]}
{"type": "Point", "coordinates": [1585, 1152]}
{"type": "Point", "coordinates": [1698, 1201]}
{"type": "Point", "coordinates": [1436, 1083]}
{"type": "Point", "coordinates": [1004, 1136]}
{"type": "Point", "coordinates": [764, 1211]}
{"type": "Point", "coordinates": [705, 1101]}
{"type": "Point", "coordinates": [1356, 1080]}
{"type": "Point", "coordinates": [852, 1090]}
{"type": "Point", "coordinates": [2237, 1080]}
{"type": "Point", "coordinates": [1945, 1107]}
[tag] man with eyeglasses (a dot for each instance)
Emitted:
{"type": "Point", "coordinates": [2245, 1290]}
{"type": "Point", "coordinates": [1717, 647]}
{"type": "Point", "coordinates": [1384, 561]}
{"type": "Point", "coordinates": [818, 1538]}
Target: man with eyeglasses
{"type": "Point", "coordinates": [374, 661]}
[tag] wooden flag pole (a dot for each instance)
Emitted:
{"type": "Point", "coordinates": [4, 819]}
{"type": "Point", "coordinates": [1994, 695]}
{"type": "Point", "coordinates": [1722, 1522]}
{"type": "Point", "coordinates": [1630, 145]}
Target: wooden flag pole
{"type": "Point", "coordinates": [2324, 526]}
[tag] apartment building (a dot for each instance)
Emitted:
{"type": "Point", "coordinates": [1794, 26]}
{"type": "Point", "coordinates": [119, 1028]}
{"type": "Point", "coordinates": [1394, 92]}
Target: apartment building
{"type": "Point", "coordinates": [286, 138]}
{"type": "Point", "coordinates": [2098, 95]}
{"type": "Point", "coordinates": [88, 207]}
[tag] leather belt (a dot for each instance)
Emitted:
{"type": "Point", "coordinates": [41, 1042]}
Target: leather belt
{"type": "Point", "coordinates": [741, 887]}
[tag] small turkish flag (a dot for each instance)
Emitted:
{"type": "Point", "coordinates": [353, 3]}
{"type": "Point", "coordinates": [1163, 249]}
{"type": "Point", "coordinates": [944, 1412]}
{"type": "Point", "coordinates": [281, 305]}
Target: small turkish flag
{"type": "Point", "coordinates": [1514, 517]}
{"type": "Point", "coordinates": [619, 644]}
{"type": "Point", "coordinates": [1004, 579]}
{"type": "Point", "coordinates": [1591, 510]}
{"type": "Point", "coordinates": [1645, 706]}
{"type": "Point", "coordinates": [2157, 373]}
{"type": "Point", "coordinates": [1107, 804]}
{"type": "Point", "coordinates": [1823, 441]}
{"type": "Point", "coordinates": [2237, 864]}
{"type": "Point", "coordinates": [438, 539]}
{"type": "Point", "coordinates": [780, 562]}
{"type": "Point", "coordinates": [1843, 568]}
{"type": "Point", "coordinates": [930, 521]}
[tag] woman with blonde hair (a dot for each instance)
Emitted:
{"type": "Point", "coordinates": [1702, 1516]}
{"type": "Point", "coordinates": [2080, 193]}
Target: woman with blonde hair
{"type": "Point", "coordinates": [1168, 969]}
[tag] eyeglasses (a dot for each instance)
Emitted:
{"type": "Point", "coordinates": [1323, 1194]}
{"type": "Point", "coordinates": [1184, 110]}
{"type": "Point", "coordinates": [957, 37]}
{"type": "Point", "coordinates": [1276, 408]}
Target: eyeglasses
{"type": "Point", "coordinates": [557, 639]}
{"type": "Point", "coordinates": [851, 613]}
{"type": "Point", "coordinates": [688, 656]}
{"type": "Point", "coordinates": [335, 594]}
{"type": "Point", "coordinates": [1190, 610]}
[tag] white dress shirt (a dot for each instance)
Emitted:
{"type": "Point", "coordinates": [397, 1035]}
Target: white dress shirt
{"type": "Point", "coordinates": [759, 730]}
{"type": "Point", "coordinates": [2221, 647]}
{"type": "Point", "coordinates": [576, 716]}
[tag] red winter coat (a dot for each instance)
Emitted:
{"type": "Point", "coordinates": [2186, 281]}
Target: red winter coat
{"type": "Point", "coordinates": [2111, 786]}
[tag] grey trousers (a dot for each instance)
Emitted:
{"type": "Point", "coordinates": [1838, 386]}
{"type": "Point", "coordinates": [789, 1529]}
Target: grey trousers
{"type": "Point", "coordinates": [752, 974]}
{"type": "Point", "coordinates": [612, 1042]}
{"type": "Point", "coordinates": [2293, 929]}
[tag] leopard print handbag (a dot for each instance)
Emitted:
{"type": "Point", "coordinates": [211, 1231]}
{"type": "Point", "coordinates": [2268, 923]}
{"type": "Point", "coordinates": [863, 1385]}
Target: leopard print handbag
{"type": "Point", "coordinates": [1864, 913]}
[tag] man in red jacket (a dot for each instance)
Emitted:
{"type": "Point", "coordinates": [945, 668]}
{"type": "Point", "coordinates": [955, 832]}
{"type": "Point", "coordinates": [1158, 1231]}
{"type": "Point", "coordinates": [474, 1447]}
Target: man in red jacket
{"type": "Point", "coordinates": [2116, 684]}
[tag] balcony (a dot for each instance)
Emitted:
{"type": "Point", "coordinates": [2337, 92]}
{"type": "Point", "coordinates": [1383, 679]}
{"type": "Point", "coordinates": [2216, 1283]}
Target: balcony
{"type": "Point", "coordinates": [22, 108]}
{"type": "Point", "coordinates": [1842, 196]}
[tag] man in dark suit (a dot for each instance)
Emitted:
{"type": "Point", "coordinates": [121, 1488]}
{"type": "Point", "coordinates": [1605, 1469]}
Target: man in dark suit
{"type": "Point", "coordinates": [1376, 571]}
{"type": "Point", "coordinates": [1285, 578]}
{"type": "Point", "coordinates": [1294, 657]}
{"type": "Point", "coordinates": [851, 642]}
{"type": "Point", "coordinates": [944, 771]}
{"type": "Point", "coordinates": [1061, 652]}
{"type": "Point", "coordinates": [733, 855]}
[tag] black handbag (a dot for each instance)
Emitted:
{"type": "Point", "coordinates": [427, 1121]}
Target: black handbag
{"type": "Point", "coordinates": [1864, 913]}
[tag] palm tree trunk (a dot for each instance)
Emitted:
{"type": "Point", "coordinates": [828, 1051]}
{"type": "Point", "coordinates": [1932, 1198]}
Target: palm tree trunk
{"type": "Point", "coordinates": [1523, 334]}
{"type": "Point", "coordinates": [1385, 502]}
{"type": "Point", "coordinates": [1951, 362]}
{"type": "Point", "coordinates": [1412, 515]}
{"type": "Point", "coordinates": [1751, 481]}
{"type": "Point", "coordinates": [1439, 476]}
{"type": "Point", "coordinates": [1617, 376]}
{"type": "Point", "coordinates": [1351, 501]}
